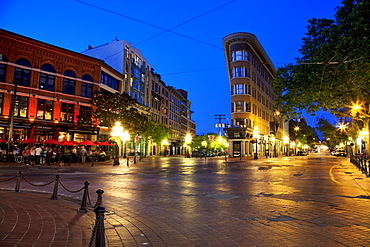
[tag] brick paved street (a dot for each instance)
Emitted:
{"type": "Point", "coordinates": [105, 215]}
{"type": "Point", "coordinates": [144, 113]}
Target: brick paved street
{"type": "Point", "coordinates": [316, 200]}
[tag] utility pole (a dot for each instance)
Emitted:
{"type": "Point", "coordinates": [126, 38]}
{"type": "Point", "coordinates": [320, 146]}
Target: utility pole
{"type": "Point", "coordinates": [220, 125]}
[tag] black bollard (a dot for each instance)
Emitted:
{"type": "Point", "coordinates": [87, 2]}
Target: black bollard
{"type": "Point", "coordinates": [55, 191]}
{"type": "Point", "coordinates": [135, 159]}
{"type": "Point", "coordinates": [100, 231]}
{"type": "Point", "coordinates": [84, 198]}
{"type": "Point", "coordinates": [116, 161]}
{"type": "Point", "coordinates": [99, 201]}
{"type": "Point", "coordinates": [18, 183]}
{"type": "Point", "coordinates": [128, 161]}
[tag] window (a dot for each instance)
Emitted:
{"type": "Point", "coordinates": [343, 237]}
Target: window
{"type": "Point", "coordinates": [239, 106]}
{"type": "Point", "coordinates": [240, 72]}
{"type": "Point", "coordinates": [86, 90]}
{"type": "Point", "coordinates": [248, 106]}
{"type": "Point", "coordinates": [66, 112]}
{"type": "Point", "coordinates": [47, 81]}
{"type": "Point", "coordinates": [239, 55]}
{"type": "Point", "coordinates": [239, 88]}
{"type": "Point", "coordinates": [85, 113]}
{"type": "Point", "coordinates": [69, 84]}
{"type": "Point", "coordinates": [44, 109]}
{"type": "Point", "coordinates": [22, 76]}
{"type": "Point", "coordinates": [109, 80]}
{"type": "Point", "coordinates": [21, 106]}
{"type": "Point", "coordinates": [247, 89]}
{"type": "Point", "coordinates": [2, 68]}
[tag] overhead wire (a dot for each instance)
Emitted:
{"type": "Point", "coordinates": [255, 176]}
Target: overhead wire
{"type": "Point", "coordinates": [187, 21]}
{"type": "Point", "coordinates": [152, 25]}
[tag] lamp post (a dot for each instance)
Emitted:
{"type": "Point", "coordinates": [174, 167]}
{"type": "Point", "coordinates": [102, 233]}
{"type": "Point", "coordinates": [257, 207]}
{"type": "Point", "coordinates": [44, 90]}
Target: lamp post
{"type": "Point", "coordinates": [188, 140]}
{"type": "Point", "coordinates": [125, 137]}
{"type": "Point", "coordinates": [165, 143]}
{"type": "Point", "coordinates": [117, 132]}
{"type": "Point", "coordinates": [256, 136]}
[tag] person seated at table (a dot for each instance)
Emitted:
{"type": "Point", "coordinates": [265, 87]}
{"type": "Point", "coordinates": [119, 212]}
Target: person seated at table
{"type": "Point", "coordinates": [102, 154]}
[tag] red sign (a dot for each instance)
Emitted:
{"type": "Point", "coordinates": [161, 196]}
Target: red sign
{"type": "Point", "coordinates": [211, 138]}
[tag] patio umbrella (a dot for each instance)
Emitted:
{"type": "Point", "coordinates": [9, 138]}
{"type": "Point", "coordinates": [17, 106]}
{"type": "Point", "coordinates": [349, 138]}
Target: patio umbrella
{"type": "Point", "coordinates": [66, 143]}
{"type": "Point", "coordinates": [98, 143]}
{"type": "Point", "coordinates": [74, 142]}
{"type": "Point", "coordinates": [106, 143]}
{"type": "Point", "coordinates": [51, 141]}
{"type": "Point", "coordinates": [30, 140]}
{"type": "Point", "coordinates": [3, 140]}
{"type": "Point", "coordinates": [89, 143]}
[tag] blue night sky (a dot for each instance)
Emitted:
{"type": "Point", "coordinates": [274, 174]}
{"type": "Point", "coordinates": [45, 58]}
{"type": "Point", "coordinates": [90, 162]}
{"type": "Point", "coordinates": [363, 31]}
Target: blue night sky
{"type": "Point", "coordinates": [190, 55]}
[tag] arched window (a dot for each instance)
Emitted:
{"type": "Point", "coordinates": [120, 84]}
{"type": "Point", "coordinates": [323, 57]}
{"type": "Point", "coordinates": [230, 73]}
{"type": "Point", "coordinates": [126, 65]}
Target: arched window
{"type": "Point", "coordinates": [47, 81]}
{"type": "Point", "coordinates": [87, 77]}
{"type": "Point", "coordinates": [69, 85]}
{"type": "Point", "coordinates": [22, 76]}
{"type": "Point", "coordinates": [2, 67]}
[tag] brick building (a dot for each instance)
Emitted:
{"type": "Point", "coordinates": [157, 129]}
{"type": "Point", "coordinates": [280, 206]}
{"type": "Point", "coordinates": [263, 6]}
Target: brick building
{"type": "Point", "coordinates": [52, 90]}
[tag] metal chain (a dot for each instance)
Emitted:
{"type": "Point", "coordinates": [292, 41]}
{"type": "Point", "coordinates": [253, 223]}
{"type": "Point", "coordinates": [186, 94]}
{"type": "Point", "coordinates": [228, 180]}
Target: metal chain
{"type": "Point", "coordinates": [88, 197]}
{"type": "Point", "coordinates": [70, 191]}
{"type": "Point", "coordinates": [93, 233]}
{"type": "Point", "coordinates": [37, 184]}
{"type": "Point", "coordinates": [6, 180]}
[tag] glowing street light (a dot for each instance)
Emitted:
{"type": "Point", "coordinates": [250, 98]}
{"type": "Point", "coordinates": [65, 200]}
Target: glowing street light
{"type": "Point", "coordinates": [256, 136]}
{"type": "Point", "coordinates": [117, 132]}
{"type": "Point", "coordinates": [188, 139]}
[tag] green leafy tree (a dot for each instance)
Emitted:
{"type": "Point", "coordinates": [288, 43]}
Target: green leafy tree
{"type": "Point", "coordinates": [302, 133]}
{"type": "Point", "coordinates": [111, 108]}
{"type": "Point", "coordinates": [333, 135]}
{"type": "Point", "coordinates": [333, 72]}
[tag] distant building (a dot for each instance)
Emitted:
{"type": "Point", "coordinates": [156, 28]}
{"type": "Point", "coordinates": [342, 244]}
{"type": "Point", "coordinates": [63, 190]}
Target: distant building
{"type": "Point", "coordinates": [165, 104]}
{"type": "Point", "coordinates": [256, 127]}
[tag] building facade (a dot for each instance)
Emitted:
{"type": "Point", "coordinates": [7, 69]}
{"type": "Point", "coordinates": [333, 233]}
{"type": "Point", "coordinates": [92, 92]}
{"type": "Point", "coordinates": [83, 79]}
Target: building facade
{"type": "Point", "coordinates": [46, 91]}
{"type": "Point", "coordinates": [256, 127]}
{"type": "Point", "coordinates": [165, 104]}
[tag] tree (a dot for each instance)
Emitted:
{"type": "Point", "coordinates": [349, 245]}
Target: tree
{"type": "Point", "coordinates": [333, 72]}
{"type": "Point", "coordinates": [333, 135]}
{"type": "Point", "coordinates": [111, 108]}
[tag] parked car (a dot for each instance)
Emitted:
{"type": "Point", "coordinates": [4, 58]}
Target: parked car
{"type": "Point", "coordinates": [342, 153]}
{"type": "Point", "coordinates": [301, 153]}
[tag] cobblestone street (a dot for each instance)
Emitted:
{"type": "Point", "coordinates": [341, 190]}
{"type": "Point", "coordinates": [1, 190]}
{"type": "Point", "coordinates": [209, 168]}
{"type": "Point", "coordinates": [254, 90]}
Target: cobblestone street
{"type": "Point", "coordinates": [315, 200]}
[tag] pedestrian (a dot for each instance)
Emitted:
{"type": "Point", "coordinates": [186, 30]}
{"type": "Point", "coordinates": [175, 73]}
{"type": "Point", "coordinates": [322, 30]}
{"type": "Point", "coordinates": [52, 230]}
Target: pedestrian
{"type": "Point", "coordinates": [49, 154]}
{"type": "Point", "coordinates": [83, 153]}
{"type": "Point", "coordinates": [38, 152]}
{"type": "Point", "coordinates": [43, 155]}
{"type": "Point", "coordinates": [74, 154]}
{"type": "Point", "coordinates": [32, 156]}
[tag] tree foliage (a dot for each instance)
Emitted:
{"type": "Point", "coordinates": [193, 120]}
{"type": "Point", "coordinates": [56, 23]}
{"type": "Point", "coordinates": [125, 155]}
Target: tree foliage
{"type": "Point", "coordinates": [333, 72]}
{"type": "Point", "coordinates": [111, 108]}
{"type": "Point", "coordinates": [303, 134]}
{"type": "Point", "coordinates": [333, 135]}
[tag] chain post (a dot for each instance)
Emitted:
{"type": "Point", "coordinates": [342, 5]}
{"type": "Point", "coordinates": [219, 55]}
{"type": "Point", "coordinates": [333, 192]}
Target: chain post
{"type": "Point", "coordinates": [99, 201]}
{"type": "Point", "coordinates": [84, 198]}
{"type": "Point", "coordinates": [18, 183]}
{"type": "Point", "coordinates": [100, 231]}
{"type": "Point", "coordinates": [55, 191]}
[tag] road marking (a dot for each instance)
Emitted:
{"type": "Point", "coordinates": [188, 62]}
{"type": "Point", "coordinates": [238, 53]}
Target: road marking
{"type": "Point", "coordinates": [334, 180]}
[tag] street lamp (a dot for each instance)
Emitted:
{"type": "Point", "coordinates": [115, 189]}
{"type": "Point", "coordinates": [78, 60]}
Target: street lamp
{"type": "Point", "coordinates": [256, 136]}
{"type": "Point", "coordinates": [286, 142]}
{"type": "Point", "coordinates": [188, 139]}
{"type": "Point", "coordinates": [165, 143]}
{"type": "Point", "coordinates": [125, 137]}
{"type": "Point", "coordinates": [117, 132]}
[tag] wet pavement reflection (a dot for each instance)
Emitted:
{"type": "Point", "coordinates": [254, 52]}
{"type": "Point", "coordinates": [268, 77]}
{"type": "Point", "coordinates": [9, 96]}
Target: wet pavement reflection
{"type": "Point", "coordinates": [314, 200]}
